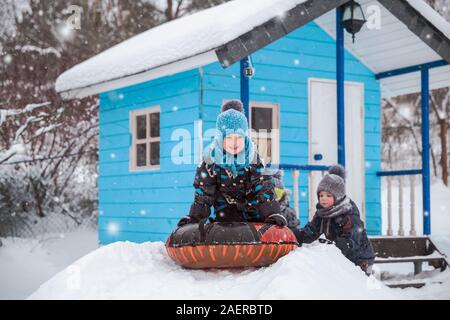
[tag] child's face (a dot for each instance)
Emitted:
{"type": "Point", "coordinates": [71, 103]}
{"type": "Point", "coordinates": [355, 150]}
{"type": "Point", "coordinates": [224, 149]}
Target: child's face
{"type": "Point", "coordinates": [233, 143]}
{"type": "Point", "coordinates": [326, 199]}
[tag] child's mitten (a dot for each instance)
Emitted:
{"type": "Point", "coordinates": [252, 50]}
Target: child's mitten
{"type": "Point", "coordinates": [186, 220]}
{"type": "Point", "coordinates": [277, 219]}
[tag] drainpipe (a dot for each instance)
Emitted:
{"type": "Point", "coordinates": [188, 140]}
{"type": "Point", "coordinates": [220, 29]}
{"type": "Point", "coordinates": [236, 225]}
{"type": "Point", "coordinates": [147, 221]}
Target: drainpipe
{"type": "Point", "coordinates": [199, 126]}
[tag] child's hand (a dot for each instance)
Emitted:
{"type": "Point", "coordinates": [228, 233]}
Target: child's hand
{"type": "Point", "coordinates": [277, 219]}
{"type": "Point", "coordinates": [186, 220]}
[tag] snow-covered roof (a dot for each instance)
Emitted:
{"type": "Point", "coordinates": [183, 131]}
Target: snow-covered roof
{"type": "Point", "coordinates": [204, 37]}
{"type": "Point", "coordinates": [172, 47]}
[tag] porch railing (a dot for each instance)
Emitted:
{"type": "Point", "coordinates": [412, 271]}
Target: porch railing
{"type": "Point", "coordinates": [401, 179]}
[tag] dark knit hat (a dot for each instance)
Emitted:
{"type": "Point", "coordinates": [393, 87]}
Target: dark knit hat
{"type": "Point", "coordinates": [334, 182]}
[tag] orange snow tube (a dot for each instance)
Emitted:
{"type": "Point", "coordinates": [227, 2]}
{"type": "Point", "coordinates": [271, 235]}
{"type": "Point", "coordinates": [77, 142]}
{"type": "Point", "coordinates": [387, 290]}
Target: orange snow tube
{"type": "Point", "coordinates": [229, 245]}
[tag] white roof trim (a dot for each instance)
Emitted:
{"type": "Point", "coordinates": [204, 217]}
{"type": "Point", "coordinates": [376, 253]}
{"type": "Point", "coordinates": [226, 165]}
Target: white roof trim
{"type": "Point", "coordinates": [158, 72]}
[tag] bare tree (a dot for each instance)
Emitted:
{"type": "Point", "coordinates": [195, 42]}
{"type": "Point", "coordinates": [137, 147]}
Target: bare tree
{"type": "Point", "coordinates": [440, 104]}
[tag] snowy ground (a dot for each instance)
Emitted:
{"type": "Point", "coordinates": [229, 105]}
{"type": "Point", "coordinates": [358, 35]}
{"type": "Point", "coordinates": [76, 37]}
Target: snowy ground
{"type": "Point", "coordinates": [143, 271]}
{"type": "Point", "coordinates": [27, 263]}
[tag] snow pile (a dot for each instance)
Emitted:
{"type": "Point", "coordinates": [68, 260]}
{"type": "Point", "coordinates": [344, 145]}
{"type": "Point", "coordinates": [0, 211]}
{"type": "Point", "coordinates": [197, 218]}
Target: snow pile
{"type": "Point", "coordinates": [125, 270]}
{"type": "Point", "coordinates": [26, 263]}
{"type": "Point", "coordinates": [174, 40]}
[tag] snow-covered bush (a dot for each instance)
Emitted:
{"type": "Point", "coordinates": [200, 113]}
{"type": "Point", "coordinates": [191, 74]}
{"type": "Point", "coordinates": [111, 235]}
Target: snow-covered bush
{"type": "Point", "coordinates": [47, 176]}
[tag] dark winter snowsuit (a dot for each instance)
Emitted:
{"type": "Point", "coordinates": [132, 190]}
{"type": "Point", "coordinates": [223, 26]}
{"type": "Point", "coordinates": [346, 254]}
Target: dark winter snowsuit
{"type": "Point", "coordinates": [233, 184]}
{"type": "Point", "coordinates": [247, 197]}
{"type": "Point", "coordinates": [346, 231]}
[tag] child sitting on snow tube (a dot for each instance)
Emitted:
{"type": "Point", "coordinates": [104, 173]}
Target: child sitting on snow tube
{"type": "Point", "coordinates": [337, 217]}
{"type": "Point", "coordinates": [230, 178]}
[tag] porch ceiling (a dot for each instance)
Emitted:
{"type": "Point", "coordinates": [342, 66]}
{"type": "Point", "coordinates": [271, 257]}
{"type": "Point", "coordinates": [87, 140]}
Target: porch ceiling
{"type": "Point", "coordinates": [393, 46]}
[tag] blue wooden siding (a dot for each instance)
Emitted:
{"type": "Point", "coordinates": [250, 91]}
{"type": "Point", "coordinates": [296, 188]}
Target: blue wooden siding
{"type": "Point", "coordinates": [145, 206]}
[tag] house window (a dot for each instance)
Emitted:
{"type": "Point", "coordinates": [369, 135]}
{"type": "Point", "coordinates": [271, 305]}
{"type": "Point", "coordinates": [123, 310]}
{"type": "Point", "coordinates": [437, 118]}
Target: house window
{"type": "Point", "coordinates": [265, 130]}
{"type": "Point", "coordinates": [146, 140]}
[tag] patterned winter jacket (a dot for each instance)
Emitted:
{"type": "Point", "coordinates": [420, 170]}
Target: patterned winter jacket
{"type": "Point", "coordinates": [247, 197]}
{"type": "Point", "coordinates": [346, 231]}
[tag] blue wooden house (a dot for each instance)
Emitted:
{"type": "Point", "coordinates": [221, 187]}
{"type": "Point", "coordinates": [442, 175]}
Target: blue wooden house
{"type": "Point", "coordinates": [312, 97]}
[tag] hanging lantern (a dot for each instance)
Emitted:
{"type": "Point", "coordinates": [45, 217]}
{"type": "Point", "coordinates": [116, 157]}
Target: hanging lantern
{"type": "Point", "coordinates": [353, 18]}
{"type": "Point", "coordinates": [249, 70]}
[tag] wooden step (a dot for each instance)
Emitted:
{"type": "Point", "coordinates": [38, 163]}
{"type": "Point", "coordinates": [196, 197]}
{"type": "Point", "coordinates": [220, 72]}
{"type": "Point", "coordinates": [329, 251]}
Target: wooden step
{"type": "Point", "coordinates": [405, 285]}
{"type": "Point", "coordinates": [435, 257]}
{"type": "Point", "coordinates": [409, 249]}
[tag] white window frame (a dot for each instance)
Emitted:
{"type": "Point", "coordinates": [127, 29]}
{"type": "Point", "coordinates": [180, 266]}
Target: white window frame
{"type": "Point", "coordinates": [275, 132]}
{"type": "Point", "coordinates": [134, 141]}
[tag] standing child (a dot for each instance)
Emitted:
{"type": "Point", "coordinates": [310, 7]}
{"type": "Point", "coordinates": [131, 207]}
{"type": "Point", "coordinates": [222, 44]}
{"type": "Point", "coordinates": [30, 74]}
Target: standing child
{"type": "Point", "coordinates": [337, 217]}
{"type": "Point", "coordinates": [230, 178]}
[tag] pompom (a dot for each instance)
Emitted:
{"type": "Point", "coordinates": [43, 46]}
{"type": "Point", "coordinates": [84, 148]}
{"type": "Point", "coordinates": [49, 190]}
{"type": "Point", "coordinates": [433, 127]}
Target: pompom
{"type": "Point", "coordinates": [337, 170]}
{"type": "Point", "coordinates": [233, 104]}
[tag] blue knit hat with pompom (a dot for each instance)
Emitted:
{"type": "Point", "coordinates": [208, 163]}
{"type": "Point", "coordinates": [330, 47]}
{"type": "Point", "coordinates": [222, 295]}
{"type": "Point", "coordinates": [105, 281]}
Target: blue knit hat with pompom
{"type": "Point", "coordinates": [231, 120]}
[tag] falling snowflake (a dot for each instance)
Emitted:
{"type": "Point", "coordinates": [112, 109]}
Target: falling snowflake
{"type": "Point", "coordinates": [112, 155]}
{"type": "Point", "coordinates": [234, 76]}
{"type": "Point", "coordinates": [113, 228]}
{"type": "Point", "coordinates": [263, 88]}
{"type": "Point", "coordinates": [303, 194]}
{"type": "Point", "coordinates": [203, 174]}
{"type": "Point", "coordinates": [121, 96]}
{"type": "Point", "coordinates": [175, 108]}
{"type": "Point", "coordinates": [282, 15]}
{"type": "Point", "coordinates": [426, 213]}
{"type": "Point", "coordinates": [405, 111]}
{"type": "Point", "coordinates": [368, 164]}
{"type": "Point", "coordinates": [143, 212]}
{"type": "Point", "coordinates": [296, 62]}
{"type": "Point", "coordinates": [7, 59]}
{"type": "Point", "coordinates": [100, 212]}
{"type": "Point", "coordinates": [65, 31]}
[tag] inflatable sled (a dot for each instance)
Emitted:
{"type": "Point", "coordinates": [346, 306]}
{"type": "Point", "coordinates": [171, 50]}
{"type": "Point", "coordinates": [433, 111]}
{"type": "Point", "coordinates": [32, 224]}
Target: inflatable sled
{"type": "Point", "coordinates": [229, 245]}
